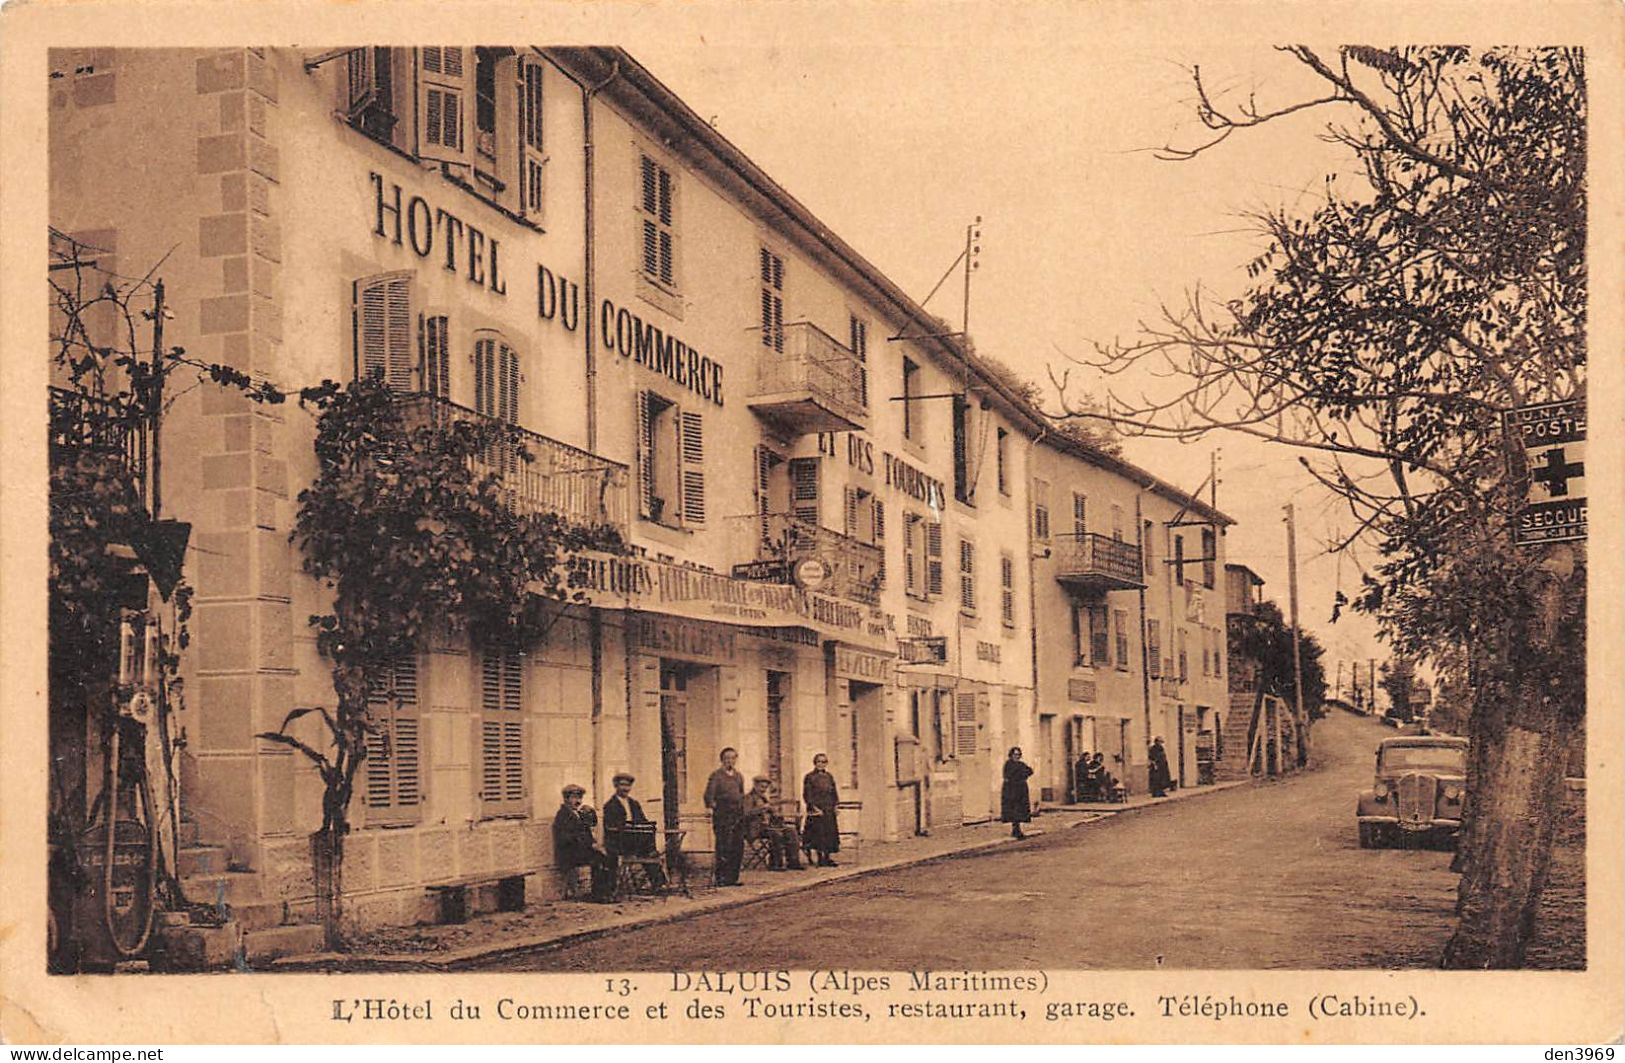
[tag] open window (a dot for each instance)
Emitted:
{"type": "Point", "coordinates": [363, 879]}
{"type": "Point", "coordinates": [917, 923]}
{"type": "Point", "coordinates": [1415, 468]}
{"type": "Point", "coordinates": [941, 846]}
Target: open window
{"type": "Point", "coordinates": [370, 101]}
{"type": "Point", "coordinates": [671, 462]}
{"type": "Point", "coordinates": [443, 92]}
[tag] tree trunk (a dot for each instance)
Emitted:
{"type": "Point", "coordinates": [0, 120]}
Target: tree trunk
{"type": "Point", "coordinates": [327, 860]}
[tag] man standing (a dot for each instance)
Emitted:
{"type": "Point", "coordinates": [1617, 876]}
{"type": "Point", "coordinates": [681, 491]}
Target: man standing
{"type": "Point", "coordinates": [725, 798]}
{"type": "Point", "coordinates": [627, 831]}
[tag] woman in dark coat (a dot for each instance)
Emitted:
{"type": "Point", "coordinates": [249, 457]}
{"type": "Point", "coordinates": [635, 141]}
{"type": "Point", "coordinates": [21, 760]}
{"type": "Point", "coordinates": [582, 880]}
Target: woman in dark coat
{"type": "Point", "coordinates": [1015, 807]}
{"type": "Point", "coordinates": [1160, 779]}
{"type": "Point", "coordinates": [822, 831]}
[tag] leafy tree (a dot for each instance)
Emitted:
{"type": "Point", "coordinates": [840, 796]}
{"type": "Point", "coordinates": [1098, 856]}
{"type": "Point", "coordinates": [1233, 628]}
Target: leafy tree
{"type": "Point", "coordinates": [410, 525]}
{"type": "Point", "coordinates": [1399, 682]}
{"type": "Point", "coordinates": [1440, 281]}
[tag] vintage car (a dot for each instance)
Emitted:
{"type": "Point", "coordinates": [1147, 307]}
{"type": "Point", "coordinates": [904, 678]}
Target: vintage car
{"type": "Point", "coordinates": [1421, 781]}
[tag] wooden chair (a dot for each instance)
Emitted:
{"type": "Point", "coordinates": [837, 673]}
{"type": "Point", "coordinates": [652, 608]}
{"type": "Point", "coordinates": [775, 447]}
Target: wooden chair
{"type": "Point", "coordinates": [639, 868]}
{"type": "Point", "coordinates": [849, 813]}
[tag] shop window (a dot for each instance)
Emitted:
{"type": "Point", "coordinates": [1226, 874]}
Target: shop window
{"type": "Point", "coordinates": [670, 462]}
{"type": "Point", "coordinates": [502, 733]}
{"type": "Point", "coordinates": [772, 276]}
{"type": "Point", "coordinates": [657, 207]}
{"type": "Point", "coordinates": [382, 316]}
{"type": "Point", "coordinates": [392, 794]}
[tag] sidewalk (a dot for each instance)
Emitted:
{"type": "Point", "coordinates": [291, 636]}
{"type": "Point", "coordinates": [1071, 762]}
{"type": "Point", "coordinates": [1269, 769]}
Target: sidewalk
{"type": "Point", "coordinates": [555, 922]}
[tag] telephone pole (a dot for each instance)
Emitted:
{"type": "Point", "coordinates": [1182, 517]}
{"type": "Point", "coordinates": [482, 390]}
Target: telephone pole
{"type": "Point", "coordinates": [1297, 660]}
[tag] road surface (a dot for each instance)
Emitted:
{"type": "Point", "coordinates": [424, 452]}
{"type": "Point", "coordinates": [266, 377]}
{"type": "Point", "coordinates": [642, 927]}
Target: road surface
{"type": "Point", "coordinates": [1257, 877]}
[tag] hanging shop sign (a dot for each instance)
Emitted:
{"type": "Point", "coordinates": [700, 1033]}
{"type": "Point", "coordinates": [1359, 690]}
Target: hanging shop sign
{"type": "Point", "coordinates": [810, 573]}
{"type": "Point", "coordinates": [1553, 437]}
{"type": "Point", "coordinates": [929, 650]}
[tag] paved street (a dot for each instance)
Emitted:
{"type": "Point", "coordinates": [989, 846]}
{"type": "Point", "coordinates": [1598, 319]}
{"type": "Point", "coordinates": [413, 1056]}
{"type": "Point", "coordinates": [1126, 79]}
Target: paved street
{"type": "Point", "coordinates": [1258, 877]}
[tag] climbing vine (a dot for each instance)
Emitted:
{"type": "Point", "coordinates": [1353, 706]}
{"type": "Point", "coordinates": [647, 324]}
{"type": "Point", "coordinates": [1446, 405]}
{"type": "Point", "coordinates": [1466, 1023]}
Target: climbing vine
{"type": "Point", "coordinates": [409, 524]}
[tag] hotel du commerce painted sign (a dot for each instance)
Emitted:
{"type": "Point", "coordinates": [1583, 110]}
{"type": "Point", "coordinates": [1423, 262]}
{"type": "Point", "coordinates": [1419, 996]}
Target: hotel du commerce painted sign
{"type": "Point", "coordinates": [436, 234]}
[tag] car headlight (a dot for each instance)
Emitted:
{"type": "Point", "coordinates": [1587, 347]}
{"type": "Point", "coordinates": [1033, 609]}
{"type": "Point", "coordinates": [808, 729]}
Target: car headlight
{"type": "Point", "coordinates": [1452, 792]}
{"type": "Point", "coordinates": [1381, 790]}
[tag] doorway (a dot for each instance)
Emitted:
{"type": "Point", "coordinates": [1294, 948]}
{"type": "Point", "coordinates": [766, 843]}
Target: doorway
{"type": "Point", "coordinates": [778, 690]}
{"type": "Point", "coordinates": [673, 741]}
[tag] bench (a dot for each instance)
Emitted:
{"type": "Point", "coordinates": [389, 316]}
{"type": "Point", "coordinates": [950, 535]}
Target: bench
{"type": "Point", "coordinates": [453, 897]}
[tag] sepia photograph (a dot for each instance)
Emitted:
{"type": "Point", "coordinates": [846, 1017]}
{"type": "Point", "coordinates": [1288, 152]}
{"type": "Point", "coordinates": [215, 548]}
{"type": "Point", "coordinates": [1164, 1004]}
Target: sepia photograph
{"type": "Point", "coordinates": [829, 526]}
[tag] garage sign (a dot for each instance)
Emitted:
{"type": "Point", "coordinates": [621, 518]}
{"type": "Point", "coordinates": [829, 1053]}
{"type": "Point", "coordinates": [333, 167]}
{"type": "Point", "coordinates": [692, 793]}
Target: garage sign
{"type": "Point", "coordinates": [1553, 437]}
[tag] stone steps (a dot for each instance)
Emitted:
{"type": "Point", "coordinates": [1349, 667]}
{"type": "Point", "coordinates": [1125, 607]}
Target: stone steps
{"type": "Point", "coordinates": [263, 946]}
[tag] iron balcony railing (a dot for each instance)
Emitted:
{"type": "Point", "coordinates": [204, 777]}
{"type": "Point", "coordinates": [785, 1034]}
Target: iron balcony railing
{"type": "Point", "coordinates": [814, 362]}
{"type": "Point", "coordinates": [538, 474]}
{"type": "Point", "coordinates": [91, 423]}
{"type": "Point", "coordinates": [1088, 557]}
{"type": "Point", "coordinates": [781, 540]}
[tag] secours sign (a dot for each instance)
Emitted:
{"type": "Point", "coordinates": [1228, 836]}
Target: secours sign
{"type": "Point", "coordinates": [1552, 435]}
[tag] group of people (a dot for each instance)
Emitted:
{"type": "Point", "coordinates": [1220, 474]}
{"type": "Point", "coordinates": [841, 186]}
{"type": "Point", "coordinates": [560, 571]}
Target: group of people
{"type": "Point", "coordinates": [737, 817]}
{"type": "Point", "coordinates": [1092, 780]}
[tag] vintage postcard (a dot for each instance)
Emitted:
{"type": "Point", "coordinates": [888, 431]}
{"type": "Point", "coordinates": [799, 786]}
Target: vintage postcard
{"type": "Point", "coordinates": [840, 522]}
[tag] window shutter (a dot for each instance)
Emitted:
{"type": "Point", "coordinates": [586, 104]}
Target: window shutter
{"type": "Point", "coordinates": [442, 105]}
{"type": "Point", "coordinates": [1080, 515]}
{"type": "Point", "coordinates": [911, 552]}
{"type": "Point", "coordinates": [933, 558]}
{"type": "Point", "coordinates": [393, 789]}
{"type": "Point", "coordinates": [532, 159]}
{"type": "Point", "coordinates": [643, 472]}
{"type": "Point", "coordinates": [502, 733]}
{"type": "Point", "coordinates": [967, 576]}
{"type": "Point", "coordinates": [485, 377]}
{"type": "Point", "coordinates": [507, 384]}
{"type": "Point", "coordinates": [1120, 637]}
{"type": "Point", "coordinates": [804, 489]}
{"type": "Point", "coordinates": [691, 465]}
{"type": "Point", "coordinates": [772, 271]}
{"type": "Point", "coordinates": [1007, 589]}
{"type": "Point", "coordinates": [849, 513]}
{"type": "Point", "coordinates": [384, 321]}
{"type": "Point", "coordinates": [879, 516]}
{"type": "Point", "coordinates": [437, 355]}
{"type": "Point", "coordinates": [1153, 647]}
{"type": "Point", "coordinates": [1099, 638]}
{"type": "Point", "coordinates": [965, 724]}
{"type": "Point", "coordinates": [1077, 636]}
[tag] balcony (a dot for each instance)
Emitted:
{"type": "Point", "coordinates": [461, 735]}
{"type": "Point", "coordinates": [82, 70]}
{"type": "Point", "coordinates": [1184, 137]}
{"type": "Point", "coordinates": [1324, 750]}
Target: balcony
{"type": "Point", "coordinates": [114, 431]}
{"type": "Point", "coordinates": [813, 385]}
{"type": "Point", "coordinates": [538, 474]}
{"type": "Point", "coordinates": [782, 540]}
{"type": "Point", "coordinates": [1093, 562]}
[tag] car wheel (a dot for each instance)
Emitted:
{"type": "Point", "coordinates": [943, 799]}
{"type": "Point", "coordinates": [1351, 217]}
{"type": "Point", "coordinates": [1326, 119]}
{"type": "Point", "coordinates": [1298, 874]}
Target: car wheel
{"type": "Point", "coordinates": [1369, 838]}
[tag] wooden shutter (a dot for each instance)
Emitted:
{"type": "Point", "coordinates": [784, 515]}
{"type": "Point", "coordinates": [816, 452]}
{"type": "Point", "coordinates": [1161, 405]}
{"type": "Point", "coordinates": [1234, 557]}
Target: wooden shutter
{"type": "Point", "coordinates": [443, 94]}
{"type": "Point", "coordinates": [485, 376]}
{"type": "Point", "coordinates": [502, 733]}
{"type": "Point", "coordinates": [860, 350]}
{"type": "Point", "coordinates": [393, 768]}
{"type": "Point", "coordinates": [965, 724]}
{"type": "Point", "coordinates": [911, 553]}
{"type": "Point", "coordinates": [1079, 655]}
{"type": "Point", "coordinates": [933, 558]}
{"type": "Point", "coordinates": [879, 517]}
{"type": "Point", "coordinates": [657, 194]}
{"type": "Point", "coordinates": [1153, 647]}
{"type": "Point", "coordinates": [384, 325]}
{"type": "Point", "coordinates": [849, 513]}
{"type": "Point", "coordinates": [772, 271]}
{"type": "Point", "coordinates": [1007, 589]}
{"type": "Point", "coordinates": [437, 355]}
{"type": "Point", "coordinates": [804, 489]}
{"type": "Point", "coordinates": [1080, 515]}
{"type": "Point", "coordinates": [645, 455]}
{"type": "Point", "coordinates": [691, 465]}
{"type": "Point", "coordinates": [967, 575]}
{"type": "Point", "coordinates": [532, 158]}
{"type": "Point", "coordinates": [1120, 637]}
{"type": "Point", "coordinates": [1041, 509]}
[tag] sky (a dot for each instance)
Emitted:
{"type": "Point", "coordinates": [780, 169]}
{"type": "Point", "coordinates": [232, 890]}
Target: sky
{"type": "Point", "coordinates": [900, 132]}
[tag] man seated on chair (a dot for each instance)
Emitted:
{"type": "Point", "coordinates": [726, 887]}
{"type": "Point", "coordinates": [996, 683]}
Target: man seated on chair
{"type": "Point", "coordinates": [573, 844]}
{"type": "Point", "coordinates": [762, 820]}
{"type": "Point", "coordinates": [621, 812]}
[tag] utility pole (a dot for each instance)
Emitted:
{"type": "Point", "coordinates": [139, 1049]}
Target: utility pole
{"type": "Point", "coordinates": [1338, 689]}
{"type": "Point", "coordinates": [155, 396]}
{"type": "Point", "coordinates": [1297, 660]}
{"type": "Point", "coordinates": [973, 234]}
{"type": "Point", "coordinates": [1372, 692]}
